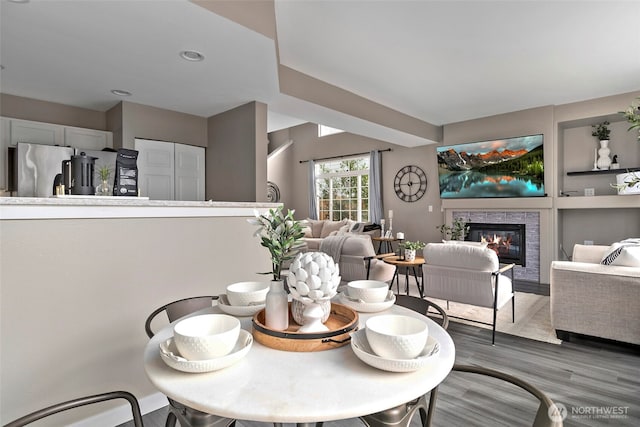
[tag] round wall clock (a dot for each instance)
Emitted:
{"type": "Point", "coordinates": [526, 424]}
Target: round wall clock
{"type": "Point", "coordinates": [273, 192]}
{"type": "Point", "coordinates": [410, 183]}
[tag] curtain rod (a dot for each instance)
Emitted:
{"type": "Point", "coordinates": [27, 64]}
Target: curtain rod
{"type": "Point", "coordinates": [345, 155]}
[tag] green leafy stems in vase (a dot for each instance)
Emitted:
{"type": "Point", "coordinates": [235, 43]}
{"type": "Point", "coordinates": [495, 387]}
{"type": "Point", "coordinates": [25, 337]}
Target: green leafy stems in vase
{"type": "Point", "coordinates": [601, 131]}
{"type": "Point", "coordinates": [632, 114]}
{"type": "Point", "coordinates": [281, 234]}
{"type": "Point", "coordinates": [104, 173]}
{"type": "Point", "coordinates": [412, 246]}
{"type": "Point", "coordinates": [456, 231]}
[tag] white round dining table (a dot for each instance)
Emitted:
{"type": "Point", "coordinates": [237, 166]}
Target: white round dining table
{"type": "Point", "coordinates": [276, 386]}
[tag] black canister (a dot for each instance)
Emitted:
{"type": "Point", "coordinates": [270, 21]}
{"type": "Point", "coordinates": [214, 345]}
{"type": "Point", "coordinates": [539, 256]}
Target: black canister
{"type": "Point", "coordinates": [82, 173]}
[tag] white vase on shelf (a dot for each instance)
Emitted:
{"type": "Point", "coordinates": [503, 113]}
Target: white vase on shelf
{"type": "Point", "coordinates": [604, 161]}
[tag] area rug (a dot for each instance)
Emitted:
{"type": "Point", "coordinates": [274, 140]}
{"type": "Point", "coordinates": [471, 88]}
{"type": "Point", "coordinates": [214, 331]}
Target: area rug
{"type": "Point", "coordinates": [533, 316]}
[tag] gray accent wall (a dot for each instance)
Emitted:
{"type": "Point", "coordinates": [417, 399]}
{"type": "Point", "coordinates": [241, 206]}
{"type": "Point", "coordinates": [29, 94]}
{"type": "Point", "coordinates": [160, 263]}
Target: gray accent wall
{"type": "Point", "coordinates": [236, 156]}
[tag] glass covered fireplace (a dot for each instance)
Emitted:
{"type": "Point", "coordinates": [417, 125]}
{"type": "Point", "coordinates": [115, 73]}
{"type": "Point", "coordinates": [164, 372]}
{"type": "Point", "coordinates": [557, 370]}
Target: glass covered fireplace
{"type": "Point", "coordinates": [507, 240]}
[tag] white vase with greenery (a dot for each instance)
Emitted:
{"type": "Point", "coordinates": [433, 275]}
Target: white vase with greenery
{"type": "Point", "coordinates": [281, 234]}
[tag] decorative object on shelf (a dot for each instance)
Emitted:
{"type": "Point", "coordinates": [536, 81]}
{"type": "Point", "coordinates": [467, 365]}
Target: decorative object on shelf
{"type": "Point", "coordinates": [627, 183]}
{"type": "Point", "coordinates": [273, 192]}
{"type": "Point", "coordinates": [104, 189]}
{"type": "Point", "coordinates": [390, 231]}
{"type": "Point", "coordinates": [614, 162]}
{"type": "Point", "coordinates": [457, 231]}
{"type": "Point", "coordinates": [604, 161]}
{"type": "Point", "coordinates": [313, 280]}
{"type": "Point", "coordinates": [632, 114]}
{"type": "Point", "coordinates": [410, 249]}
{"type": "Point", "coordinates": [410, 183]}
{"type": "Point", "coordinates": [602, 132]}
{"type": "Point", "coordinates": [282, 235]}
{"type": "Point", "coordinates": [382, 227]}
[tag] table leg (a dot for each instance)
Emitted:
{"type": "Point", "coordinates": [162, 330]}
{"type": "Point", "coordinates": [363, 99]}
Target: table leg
{"type": "Point", "coordinates": [400, 416]}
{"type": "Point", "coordinates": [397, 278]}
{"type": "Point", "coordinates": [406, 280]}
{"type": "Point", "coordinates": [190, 417]}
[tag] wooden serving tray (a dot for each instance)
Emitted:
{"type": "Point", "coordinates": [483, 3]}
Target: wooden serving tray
{"type": "Point", "coordinates": [341, 322]}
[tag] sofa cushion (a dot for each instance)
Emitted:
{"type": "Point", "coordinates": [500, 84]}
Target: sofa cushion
{"type": "Point", "coordinates": [358, 244]}
{"type": "Point", "coordinates": [461, 256]}
{"type": "Point", "coordinates": [329, 226]}
{"type": "Point", "coordinates": [316, 227]}
{"type": "Point", "coordinates": [625, 253]}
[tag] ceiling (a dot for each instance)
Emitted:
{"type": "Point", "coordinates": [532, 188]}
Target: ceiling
{"type": "Point", "coordinates": [438, 61]}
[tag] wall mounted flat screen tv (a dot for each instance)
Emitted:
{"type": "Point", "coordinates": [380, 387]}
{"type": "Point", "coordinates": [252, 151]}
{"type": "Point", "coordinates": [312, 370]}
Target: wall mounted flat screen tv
{"type": "Point", "coordinates": [511, 167]}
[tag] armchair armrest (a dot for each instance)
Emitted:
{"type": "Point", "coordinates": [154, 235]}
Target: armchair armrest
{"type": "Point", "coordinates": [505, 268]}
{"type": "Point", "coordinates": [379, 256]}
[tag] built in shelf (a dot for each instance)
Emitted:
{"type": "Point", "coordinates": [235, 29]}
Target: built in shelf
{"type": "Point", "coordinates": [604, 172]}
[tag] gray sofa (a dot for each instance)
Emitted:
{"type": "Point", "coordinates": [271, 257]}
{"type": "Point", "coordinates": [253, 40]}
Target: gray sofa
{"type": "Point", "coordinates": [592, 299]}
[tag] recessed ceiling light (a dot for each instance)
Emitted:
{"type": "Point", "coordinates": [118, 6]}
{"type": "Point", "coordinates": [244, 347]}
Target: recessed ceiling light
{"type": "Point", "coordinates": [191, 55]}
{"type": "Point", "coordinates": [19, 1]}
{"type": "Point", "coordinates": [121, 92]}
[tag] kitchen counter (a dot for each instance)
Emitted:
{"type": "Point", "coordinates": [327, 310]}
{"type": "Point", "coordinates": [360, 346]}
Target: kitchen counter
{"type": "Point", "coordinates": [120, 207]}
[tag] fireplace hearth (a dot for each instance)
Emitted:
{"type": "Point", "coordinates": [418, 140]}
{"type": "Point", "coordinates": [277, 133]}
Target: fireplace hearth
{"type": "Point", "coordinates": [507, 240]}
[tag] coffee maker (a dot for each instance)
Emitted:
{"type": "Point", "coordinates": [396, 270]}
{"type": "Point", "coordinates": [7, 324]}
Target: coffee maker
{"type": "Point", "coordinates": [77, 175]}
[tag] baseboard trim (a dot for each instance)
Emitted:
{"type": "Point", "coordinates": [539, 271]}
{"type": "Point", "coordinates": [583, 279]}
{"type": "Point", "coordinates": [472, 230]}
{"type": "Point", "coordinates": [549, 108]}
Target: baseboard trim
{"type": "Point", "coordinates": [122, 413]}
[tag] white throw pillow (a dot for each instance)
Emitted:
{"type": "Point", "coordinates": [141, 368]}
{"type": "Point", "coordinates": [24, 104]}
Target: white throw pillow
{"type": "Point", "coordinates": [625, 253]}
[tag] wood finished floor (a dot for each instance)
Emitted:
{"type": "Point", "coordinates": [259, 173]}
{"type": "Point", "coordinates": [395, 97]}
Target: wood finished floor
{"type": "Point", "coordinates": [584, 375]}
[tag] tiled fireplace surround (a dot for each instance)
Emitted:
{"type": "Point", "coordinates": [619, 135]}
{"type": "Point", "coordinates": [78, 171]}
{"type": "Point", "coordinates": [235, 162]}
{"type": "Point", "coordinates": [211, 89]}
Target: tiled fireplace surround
{"type": "Point", "coordinates": [532, 224]}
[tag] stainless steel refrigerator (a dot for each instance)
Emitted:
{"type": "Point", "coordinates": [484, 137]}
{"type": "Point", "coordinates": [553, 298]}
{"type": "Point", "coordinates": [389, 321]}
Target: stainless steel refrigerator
{"type": "Point", "coordinates": [37, 167]}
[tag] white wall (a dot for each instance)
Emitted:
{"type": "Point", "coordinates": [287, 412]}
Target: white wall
{"type": "Point", "coordinates": [76, 293]}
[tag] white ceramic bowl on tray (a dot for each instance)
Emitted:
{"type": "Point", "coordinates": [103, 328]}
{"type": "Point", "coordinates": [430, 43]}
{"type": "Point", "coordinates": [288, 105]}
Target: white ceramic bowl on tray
{"type": "Point", "coordinates": [363, 351]}
{"type": "Point", "coordinates": [171, 356]}
{"type": "Point", "coordinates": [238, 310]}
{"type": "Point", "coordinates": [367, 307]}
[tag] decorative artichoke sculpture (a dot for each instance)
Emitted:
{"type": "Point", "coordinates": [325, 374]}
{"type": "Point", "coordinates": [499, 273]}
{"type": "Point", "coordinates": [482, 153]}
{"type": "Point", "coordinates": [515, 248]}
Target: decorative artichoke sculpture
{"type": "Point", "coordinates": [313, 277]}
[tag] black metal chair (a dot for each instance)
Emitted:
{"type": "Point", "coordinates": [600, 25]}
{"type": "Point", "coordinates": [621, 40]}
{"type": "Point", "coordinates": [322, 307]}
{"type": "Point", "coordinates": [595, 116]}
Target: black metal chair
{"type": "Point", "coordinates": [82, 401]}
{"type": "Point", "coordinates": [175, 310]}
{"type": "Point", "coordinates": [401, 415]}
{"type": "Point", "coordinates": [548, 414]}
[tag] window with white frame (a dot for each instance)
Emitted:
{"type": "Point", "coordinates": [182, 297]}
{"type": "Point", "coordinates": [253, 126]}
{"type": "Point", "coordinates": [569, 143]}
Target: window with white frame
{"type": "Point", "coordinates": [342, 189]}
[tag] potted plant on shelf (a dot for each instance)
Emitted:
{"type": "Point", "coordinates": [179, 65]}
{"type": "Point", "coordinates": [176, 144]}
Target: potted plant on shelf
{"type": "Point", "coordinates": [104, 173]}
{"type": "Point", "coordinates": [632, 114]}
{"type": "Point", "coordinates": [410, 249]}
{"type": "Point", "coordinates": [602, 132]}
{"type": "Point", "coordinates": [282, 235]}
{"type": "Point", "coordinates": [456, 231]}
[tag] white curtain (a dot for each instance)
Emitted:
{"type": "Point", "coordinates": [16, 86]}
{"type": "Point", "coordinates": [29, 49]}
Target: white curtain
{"type": "Point", "coordinates": [375, 187]}
{"type": "Point", "coordinates": [313, 208]}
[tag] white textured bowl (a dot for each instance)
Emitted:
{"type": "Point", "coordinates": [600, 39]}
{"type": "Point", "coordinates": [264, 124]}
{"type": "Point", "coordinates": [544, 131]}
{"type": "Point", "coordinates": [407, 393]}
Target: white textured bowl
{"type": "Point", "coordinates": [397, 337]}
{"type": "Point", "coordinates": [369, 291]}
{"type": "Point", "coordinates": [245, 293]}
{"type": "Point", "coordinates": [206, 336]}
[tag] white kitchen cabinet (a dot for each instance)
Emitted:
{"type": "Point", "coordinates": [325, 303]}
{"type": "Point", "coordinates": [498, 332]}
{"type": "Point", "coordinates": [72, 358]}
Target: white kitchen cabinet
{"type": "Point", "coordinates": [36, 132]}
{"type": "Point", "coordinates": [189, 172]}
{"type": "Point", "coordinates": [170, 171]}
{"type": "Point", "coordinates": [87, 139]}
